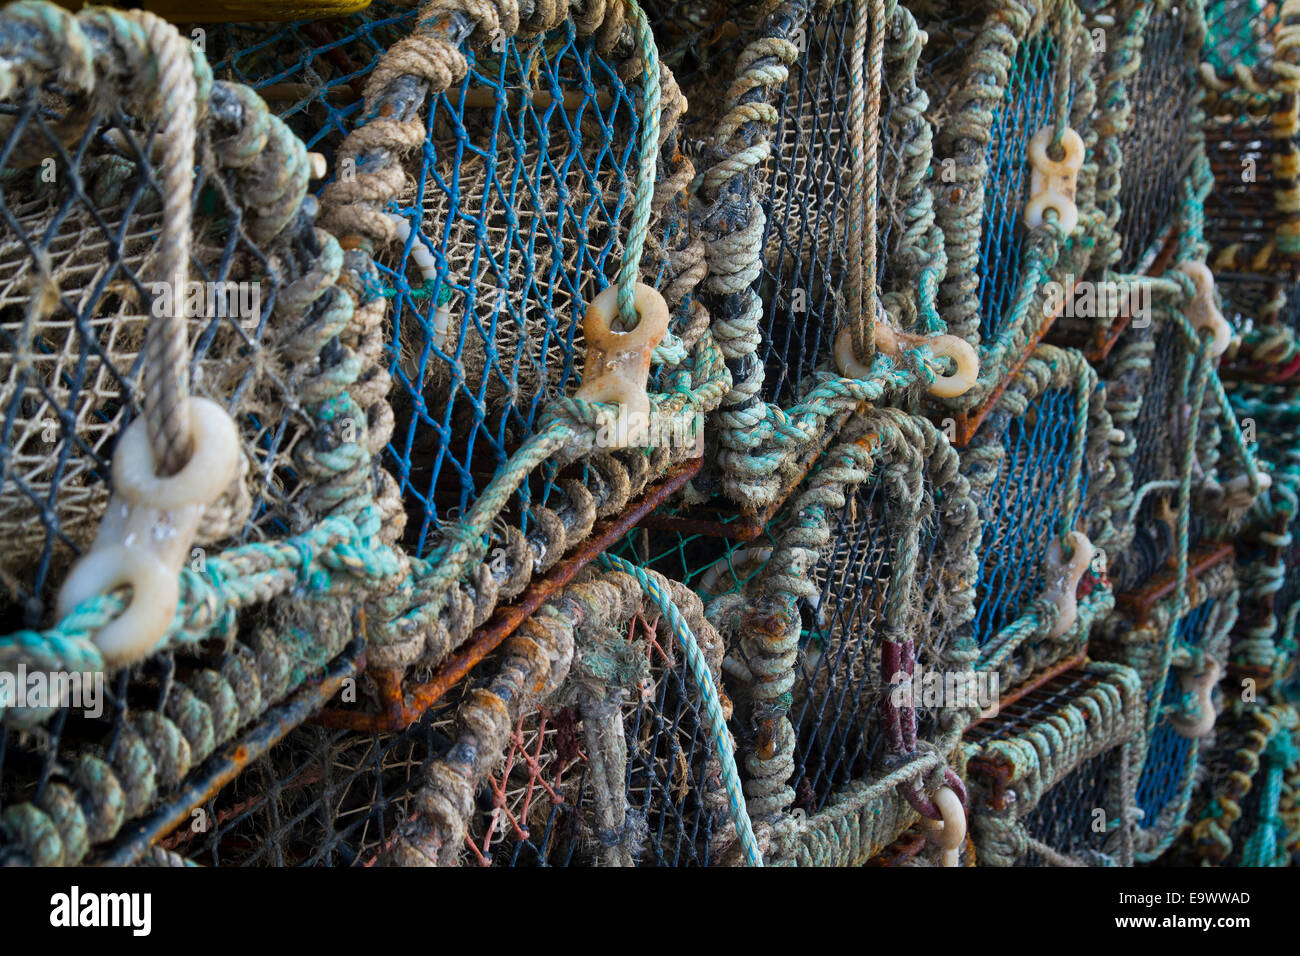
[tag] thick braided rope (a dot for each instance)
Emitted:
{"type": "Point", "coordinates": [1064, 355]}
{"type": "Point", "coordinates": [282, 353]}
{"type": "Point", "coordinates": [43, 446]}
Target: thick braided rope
{"type": "Point", "coordinates": [166, 364]}
{"type": "Point", "coordinates": [1099, 718]}
{"type": "Point", "coordinates": [713, 714]}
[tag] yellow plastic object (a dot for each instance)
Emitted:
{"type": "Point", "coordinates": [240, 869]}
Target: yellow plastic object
{"type": "Point", "coordinates": [244, 11]}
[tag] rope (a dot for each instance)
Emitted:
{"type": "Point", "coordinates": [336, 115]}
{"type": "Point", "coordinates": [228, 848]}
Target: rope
{"type": "Point", "coordinates": [166, 363]}
{"type": "Point", "coordinates": [630, 271]}
{"type": "Point", "coordinates": [712, 707]}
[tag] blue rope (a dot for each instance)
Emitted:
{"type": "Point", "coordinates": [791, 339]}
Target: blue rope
{"type": "Point", "coordinates": [712, 707]}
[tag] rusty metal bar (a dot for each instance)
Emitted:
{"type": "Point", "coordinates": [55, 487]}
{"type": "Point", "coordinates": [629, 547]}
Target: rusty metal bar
{"type": "Point", "coordinates": [400, 710]}
{"type": "Point", "coordinates": [1034, 683]}
{"type": "Point", "coordinates": [231, 760]}
{"type": "Point", "coordinates": [1139, 604]}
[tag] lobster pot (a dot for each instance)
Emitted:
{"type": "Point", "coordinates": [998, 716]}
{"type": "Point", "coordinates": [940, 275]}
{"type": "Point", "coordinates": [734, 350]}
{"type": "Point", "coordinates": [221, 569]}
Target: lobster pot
{"type": "Point", "coordinates": [1235, 818]}
{"type": "Point", "coordinates": [1149, 387]}
{"type": "Point", "coordinates": [523, 200]}
{"type": "Point", "coordinates": [855, 628]}
{"type": "Point", "coordinates": [86, 189]}
{"type": "Point", "coordinates": [614, 766]}
{"type": "Point", "coordinates": [1046, 773]}
{"type": "Point", "coordinates": [1180, 658]}
{"type": "Point", "coordinates": [1145, 169]}
{"type": "Point", "coordinates": [310, 73]}
{"type": "Point", "coordinates": [1039, 467]}
{"type": "Point", "coordinates": [1251, 216]}
{"type": "Point", "coordinates": [1000, 73]}
{"type": "Point", "coordinates": [816, 209]}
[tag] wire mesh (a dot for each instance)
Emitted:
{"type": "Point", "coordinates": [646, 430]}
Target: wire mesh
{"type": "Point", "coordinates": [838, 689]}
{"type": "Point", "coordinates": [524, 197]}
{"type": "Point", "coordinates": [1065, 817]}
{"type": "Point", "coordinates": [1156, 156]}
{"type": "Point", "coordinates": [1025, 507]}
{"type": "Point", "coordinates": [82, 213]}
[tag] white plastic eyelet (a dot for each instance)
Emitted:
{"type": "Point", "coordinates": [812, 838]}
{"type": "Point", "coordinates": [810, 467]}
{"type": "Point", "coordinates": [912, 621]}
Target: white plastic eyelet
{"type": "Point", "coordinates": [147, 531]}
{"type": "Point", "coordinates": [617, 364]}
{"type": "Point", "coordinates": [892, 342]}
{"type": "Point", "coordinates": [949, 832]}
{"type": "Point", "coordinates": [1201, 719]}
{"type": "Point", "coordinates": [1063, 580]}
{"type": "Point", "coordinates": [1054, 183]}
{"type": "Point", "coordinates": [1202, 312]}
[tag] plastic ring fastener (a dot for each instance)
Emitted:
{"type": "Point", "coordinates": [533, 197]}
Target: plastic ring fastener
{"type": "Point", "coordinates": [1198, 720]}
{"type": "Point", "coordinates": [1203, 312]}
{"type": "Point", "coordinates": [892, 342]}
{"type": "Point", "coordinates": [1063, 580]}
{"type": "Point", "coordinates": [617, 364]}
{"type": "Point", "coordinates": [949, 832]}
{"type": "Point", "coordinates": [1054, 183]}
{"type": "Point", "coordinates": [147, 531]}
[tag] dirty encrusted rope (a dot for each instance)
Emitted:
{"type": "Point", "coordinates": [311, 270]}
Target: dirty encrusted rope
{"type": "Point", "coordinates": [1100, 718]}
{"type": "Point", "coordinates": [712, 708]}
{"type": "Point", "coordinates": [758, 442]}
{"type": "Point", "coordinates": [861, 240]}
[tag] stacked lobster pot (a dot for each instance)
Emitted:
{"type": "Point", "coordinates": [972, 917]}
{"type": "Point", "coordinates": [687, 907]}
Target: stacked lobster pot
{"type": "Point", "coordinates": [1252, 123]}
{"type": "Point", "coordinates": [502, 178]}
{"type": "Point", "coordinates": [1015, 150]}
{"type": "Point", "coordinates": [186, 495]}
{"type": "Point", "coordinates": [1050, 772]}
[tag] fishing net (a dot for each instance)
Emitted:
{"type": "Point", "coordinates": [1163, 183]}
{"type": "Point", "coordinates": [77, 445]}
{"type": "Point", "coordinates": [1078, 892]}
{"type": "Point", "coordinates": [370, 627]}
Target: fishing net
{"type": "Point", "coordinates": [1047, 773]}
{"type": "Point", "coordinates": [161, 255]}
{"type": "Point", "coordinates": [1039, 467]}
{"type": "Point", "coordinates": [1004, 72]}
{"type": "Point", "coordinates": [851, 661]}
{"type": "Point", "coordinates": [1178, 645]}
{"type": "Point", "coordinates": [1265, 317]}
{"type": "Point", "coordinates": [1251, 128]}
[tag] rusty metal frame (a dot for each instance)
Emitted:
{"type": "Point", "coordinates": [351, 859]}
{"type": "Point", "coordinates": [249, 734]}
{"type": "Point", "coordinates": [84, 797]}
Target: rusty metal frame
{"type": "Point", "coordinates": [1139, 604]}
{"type": "Point", "coordinates": [400, 709]}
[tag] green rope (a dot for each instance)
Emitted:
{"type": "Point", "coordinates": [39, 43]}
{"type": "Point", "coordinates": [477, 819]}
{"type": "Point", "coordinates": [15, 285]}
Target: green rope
{"type": "Point", "coordinates": [629, 272]}
{"type": "Point", "coordinates": [712, 707]}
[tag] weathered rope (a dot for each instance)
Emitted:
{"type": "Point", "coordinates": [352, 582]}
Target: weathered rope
{"type": "Point", "coordinates": [712, 707]}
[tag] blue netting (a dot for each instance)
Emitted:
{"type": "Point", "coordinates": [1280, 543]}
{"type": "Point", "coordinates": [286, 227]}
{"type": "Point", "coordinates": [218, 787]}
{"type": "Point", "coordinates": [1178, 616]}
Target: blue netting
{"type": "Point", "coordinates": [523, 200]}
{"type": "Point", "coordinates": [1165, 770]}
{"type": "Point", "coordinates": [1024, 510]}
{"type": "Point", "coordinates": [311, 73]}
{"type": "Point", "coordinates": [1027, 106]}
